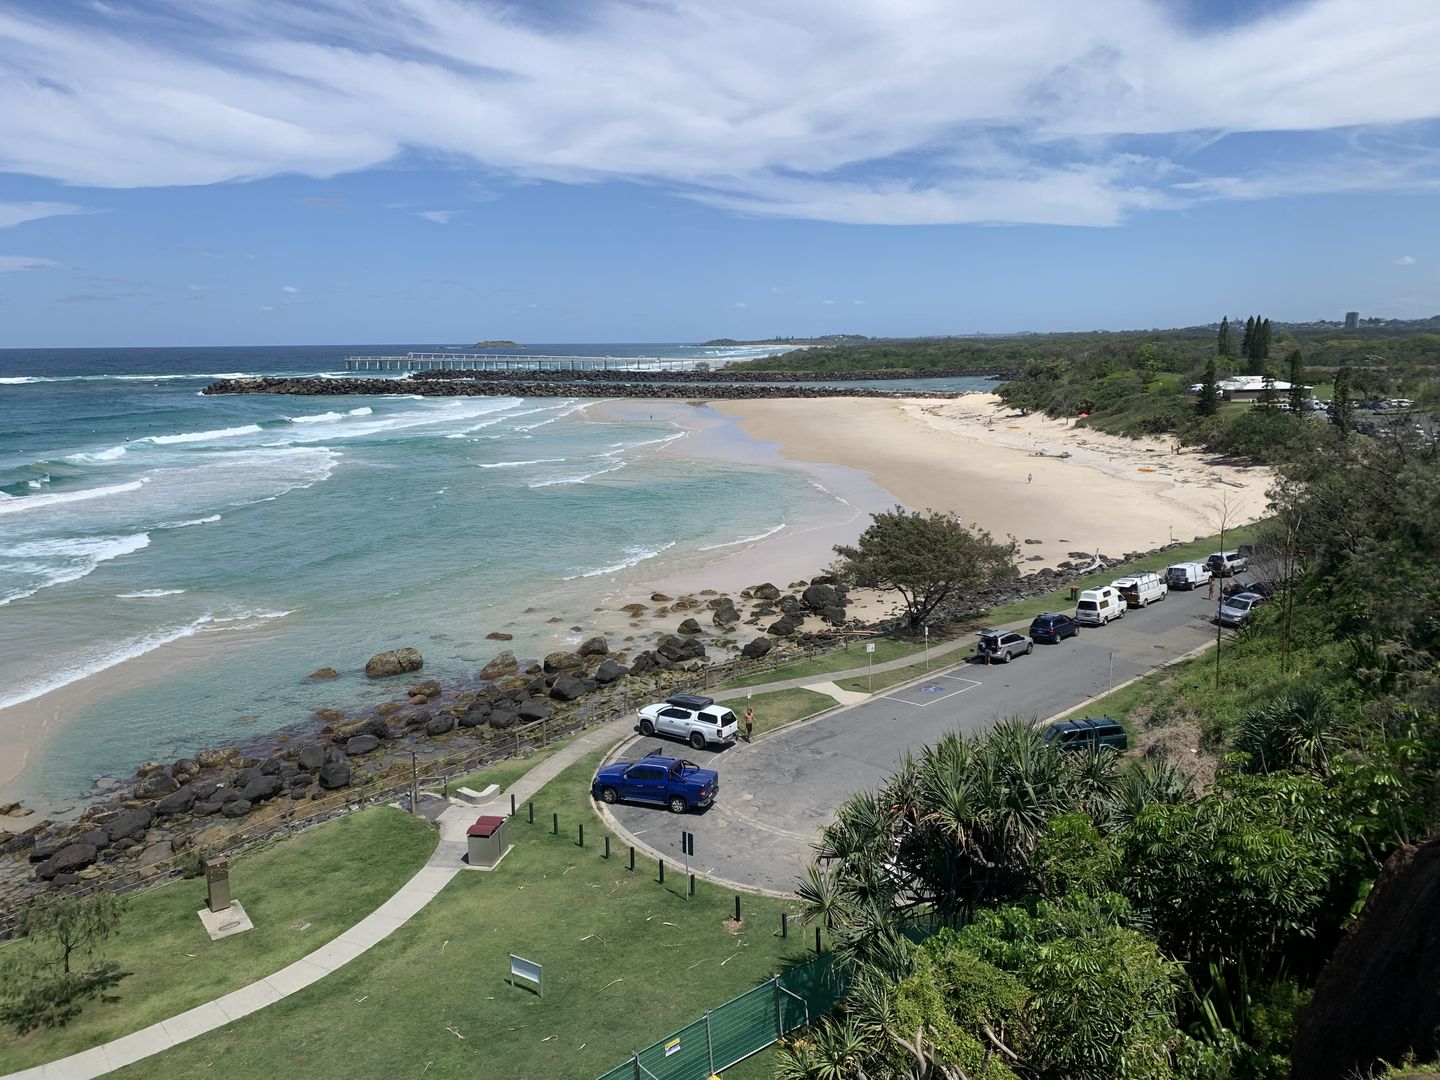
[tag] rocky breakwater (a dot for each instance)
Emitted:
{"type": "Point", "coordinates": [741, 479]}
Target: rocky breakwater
{"type": "Point", "coordinates": [556, 387]}
{"type": "Point", "coordinates": [721, 375]}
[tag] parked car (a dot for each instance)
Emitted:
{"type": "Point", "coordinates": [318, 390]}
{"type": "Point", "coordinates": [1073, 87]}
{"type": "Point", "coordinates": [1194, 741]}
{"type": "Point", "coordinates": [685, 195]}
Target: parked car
{"type": "Point", "coordinates": [697, 720]}
{"type": "Point", "coordinates": [1092, 731]}
{"type": "Point", "coordinates": [1097, 607]}
{"type": "Point", "coordinates": [1053, 627]}
{"type": "Point", "coordinates": [1187, 575]}
{"type": "Point", "coordinates": [681, 785]}
{"type": "Point", "coordinates": [1226, 563]}
{"type": "Point", "coordinates": [1238, 609]}
{"type": "Point", "coordinates": [1002, 646]}
{"type": "Point", "coordinates": [1236, 586]}
{"type": "Point", "coordinates": [1141, 590]}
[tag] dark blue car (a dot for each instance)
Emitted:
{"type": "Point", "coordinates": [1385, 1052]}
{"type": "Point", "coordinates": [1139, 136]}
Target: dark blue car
{"type": "Point", "coordinates": [1053, 627]}
{"type": "Point", "coordinates": [662, 781]}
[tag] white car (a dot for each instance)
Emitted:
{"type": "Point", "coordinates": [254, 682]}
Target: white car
{"type": "Point", "coordinates": [697, 720]}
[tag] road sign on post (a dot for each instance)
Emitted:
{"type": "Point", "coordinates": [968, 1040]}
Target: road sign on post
{"type": "Point", "coordinates": [520, 968]}
{"type": "Point", "coordinates": [927, 648]}
{"type": "Point", "coordinates": [870, 663]}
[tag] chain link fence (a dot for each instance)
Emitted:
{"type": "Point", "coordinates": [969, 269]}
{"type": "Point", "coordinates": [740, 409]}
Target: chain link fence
{"type": "Point", "coordinates": [742, 1026]}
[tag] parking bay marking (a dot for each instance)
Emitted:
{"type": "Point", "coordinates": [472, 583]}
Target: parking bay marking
{"type": "Point", "coordinates": [935, 689]}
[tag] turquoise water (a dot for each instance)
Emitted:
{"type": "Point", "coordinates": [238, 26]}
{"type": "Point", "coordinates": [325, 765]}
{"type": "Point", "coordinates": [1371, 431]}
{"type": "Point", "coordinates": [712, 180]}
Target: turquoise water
{"type": "Point", "coordinates": [250, 540]}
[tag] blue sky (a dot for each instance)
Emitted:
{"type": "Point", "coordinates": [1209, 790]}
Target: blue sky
{"type": "Point", "coordinates": [252, 171]}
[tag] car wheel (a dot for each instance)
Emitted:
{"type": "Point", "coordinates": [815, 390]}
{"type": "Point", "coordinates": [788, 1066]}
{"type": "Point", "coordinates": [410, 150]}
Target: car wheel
{"type": "Point", "coordinates": [1008, 657]}
{"type": "Point", "coordinates": [647, 728]}
{"type": "Point", "coordinates": [697, 740]}
{"type": "Point", "coordinates": [1029, 648]}
{"type": "Point", "coordinates": [678, 805]}
{"type": "Point", "coordinates": [609, 795]}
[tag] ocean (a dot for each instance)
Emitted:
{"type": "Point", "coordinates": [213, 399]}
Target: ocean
{"type": "Point", "coordinates": [254, 539]}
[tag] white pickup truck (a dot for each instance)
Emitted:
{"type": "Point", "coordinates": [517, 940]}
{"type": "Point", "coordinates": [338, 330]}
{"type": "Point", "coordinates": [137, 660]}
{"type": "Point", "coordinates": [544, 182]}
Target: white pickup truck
{"type": "Point", "coordinates": [697, 720]}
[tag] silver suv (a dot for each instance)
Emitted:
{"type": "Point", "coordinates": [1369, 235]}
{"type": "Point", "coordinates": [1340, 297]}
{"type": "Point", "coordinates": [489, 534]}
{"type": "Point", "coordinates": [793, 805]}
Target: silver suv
{"type": "Point", "coordinates": [697, 720]}
{"type": "Point", "coordinates": [1001, 646]}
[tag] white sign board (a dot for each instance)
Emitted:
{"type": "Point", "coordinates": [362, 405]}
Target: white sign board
{"type": "Point", "coordinates": [869, 646]}
{"type": "Point", "coordinates": [520, 968]}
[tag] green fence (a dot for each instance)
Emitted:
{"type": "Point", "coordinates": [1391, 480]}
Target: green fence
{"type": "Point", "coordinates": [745, 1025]}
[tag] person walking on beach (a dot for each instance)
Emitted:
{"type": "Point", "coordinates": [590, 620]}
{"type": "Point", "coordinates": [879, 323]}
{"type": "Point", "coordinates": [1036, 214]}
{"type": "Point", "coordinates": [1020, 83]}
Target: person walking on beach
{"type": "Point", "coordinates": [1029, 477]}
{"type": "Point", "coordinates": [749, 723]}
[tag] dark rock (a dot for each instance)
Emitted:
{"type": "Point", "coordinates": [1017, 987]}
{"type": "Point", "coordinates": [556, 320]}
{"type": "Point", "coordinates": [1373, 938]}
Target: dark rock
{"type": "Point", "coordinates": [766, 591]}
{"type": "Point", "coordinates": [157, 852]}
{"type": "Point", "coordinates": [835, 616]}
{"type": "Point", "coordinates": [725, 616]}
{"type": "Point", "coordinates": [177, 802]}
{"type": "Point", "coordinates": [228, 793]}
{"type": "Point", "coordinates": [1029, 541]}
{"type": "Point", "coordinates": [360, 744]}
{"type": "Point", "coordinates": [689, 627]}
{"type": "Point", "coordinates": [1375, 1002]}
{"type": "Point", "coordinates": [184, 769]}
{"type": "Point", "coordinates": [500, 719]}
{"type": "Point", "coordinates": [129, 823]}
{"type": "Point", "coordinates": [335, 775]}
{"type": "Point", "coordinates": [595, 646]}
{"type": "Point", "coordinates": [205, 809]}
{"type": "Point", "coordinates": [312, 756]}
{"type": "Point", "coordinates": [563, 661]}
{"type": "Point", "coordinates": [215, 757]}
{"type": "Point", "coordinates": [659, 598]}
{"type": "Point", "coordinates": [537, 708]}
{"type": "Point", "coordinates": [819, 597]}
{"type": "Point", "coordinates": [44, 850]}
{"type": "Point", "coordinates": [643, 663]}
{"type": "Point", "coordinates": [791, 605]}
{"type": "Point", "coordinates": [235, 808]}
{"type": "Point", "coordinates": [394, 662]}
{"type": "Point", "coordinates": [678, 650]}
{"type": "Point", "coordinates": [609, 672]}
{"type": "Point", "coordinates": [416, 718]}
{"type": "Point", "coordinates": [244, 776]}
{"type": "Point", "coordinates": [261, 788]}
{"type": "Point", "coordinates": [99, 837]}
{"type": "Point", "coordinates": [426, 688]}
{"type": "Point", "coordinates": [567, 688]}
{"type": "Point", "coordinates": [475, 714]}
{"type": "Point", "coordinates": [156, 785]}
{"type": "Point", "coordinates": [145, 768]}
{"type": "Point", "coordinates": [781, 628]}
{"type": "Point", "coordinates": [272, 766]}
{"type": "Point", "coordinates": [322, 673]}
{"type": "Point", "coordinates": [823, 579]}
{"type": "Point", "coordinates": [440, 724]}
{"type": "Point", "coordinates": [499, 635]}
{"type": "Point", "coordinates": [757, 648]}
{"type": "Point", "coordinates": [67, 860]}
{"type": "Point", "coordinates": [299, 780]}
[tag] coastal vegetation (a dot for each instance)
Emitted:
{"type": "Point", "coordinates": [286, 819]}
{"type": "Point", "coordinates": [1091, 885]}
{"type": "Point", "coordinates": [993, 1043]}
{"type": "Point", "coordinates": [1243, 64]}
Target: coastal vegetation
{"type": "Point", "coordinates": [1007, 910]}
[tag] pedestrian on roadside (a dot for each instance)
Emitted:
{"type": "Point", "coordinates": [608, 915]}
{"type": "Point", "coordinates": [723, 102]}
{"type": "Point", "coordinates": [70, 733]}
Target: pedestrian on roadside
{"type": "Point", "coordinates": [1210, 590]}
{"type": "Point", "coordinates": [1029, 477]}
{"type": "Point", "coordinates": [749, 723]}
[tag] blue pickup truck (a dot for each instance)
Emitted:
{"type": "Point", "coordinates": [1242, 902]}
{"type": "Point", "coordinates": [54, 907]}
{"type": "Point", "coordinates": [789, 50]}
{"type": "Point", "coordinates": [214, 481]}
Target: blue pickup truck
{"type": "Point", "coordinates": [664, 781]}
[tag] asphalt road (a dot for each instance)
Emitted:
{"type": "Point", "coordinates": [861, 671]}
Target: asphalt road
{"type": "Point", "coordinates": [776, 794]}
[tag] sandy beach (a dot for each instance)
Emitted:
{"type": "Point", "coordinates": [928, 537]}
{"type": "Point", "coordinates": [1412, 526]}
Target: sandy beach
{"type": "Point", "coordinates": [975, 457]}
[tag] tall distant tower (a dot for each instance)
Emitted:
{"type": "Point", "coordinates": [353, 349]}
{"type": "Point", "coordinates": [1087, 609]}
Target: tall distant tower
{"type": "Point", "coordinates": [1352, 320]}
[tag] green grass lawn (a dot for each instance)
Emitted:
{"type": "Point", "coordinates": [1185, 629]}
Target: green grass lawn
{"type": "Point", "coordinates": [838, 660]}
{"type": "Point", "coordinates": [503, 773]}
{"type": "Point", "coordinates": [300, 893]}
{"type": "Point", "coordinates": [627, 961]}
{"type": "Point", "coordinates": [781, 707]}
{"type": "Point", "coordinates": [883, 680]}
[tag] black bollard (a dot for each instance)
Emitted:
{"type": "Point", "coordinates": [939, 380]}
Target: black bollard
{"type": "Point", "coordinates": [555, 824]}
{"type": "Point", "coordinates": [607, 847]}
{"type": "Point", "coordinates": [632, 856]}
{"type": "Point", "coordinates": [662, 870]}
{"type": "Point", "coordinates": [582, 834]}
{"type": "Point", "coordinates": [784, 925]}
{"type": "Point", "coordinates": [737, 907]}
{"type": "Point", "coordinates": [532, 811]}
{"type": "Point", "coordinates": [512, 804]}
{"type": "Point", "coordinates": [692, 884]}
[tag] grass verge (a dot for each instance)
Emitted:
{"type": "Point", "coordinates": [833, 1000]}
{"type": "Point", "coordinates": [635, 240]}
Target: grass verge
{"type": "Point", "coordinates": [842, 659]}
{"type": "Point", "coordinates": [781, 707]}
{"type": "Point", "coordinates": [300, 893]}
{"type": "Point", "coordinates": [626, 962]}
{"type": "Point", "coordinates": [505, 773]}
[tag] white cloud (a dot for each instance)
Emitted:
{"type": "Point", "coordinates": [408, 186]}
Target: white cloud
{"type": "Point", "coordinates": [291, 289]}
{"type": "Point", "coordinates": [14, 213]}
{"type": "Point", "coordinates": [26, 262]}
{"type": "Point", "coordinates": [1405, 260]}
{"type": "Point", "coordinates": [857, 301]}
{"type": "Point", "coordinates": [439, 217]}
{"type": "Point", "coordinates": [827, 301]}
{"type": "Point", "coordinates": [267, 307]}
{"type": "Point", "coordinates": [875, 111]}
{"type": "Point", "coordinates": [741, 303]}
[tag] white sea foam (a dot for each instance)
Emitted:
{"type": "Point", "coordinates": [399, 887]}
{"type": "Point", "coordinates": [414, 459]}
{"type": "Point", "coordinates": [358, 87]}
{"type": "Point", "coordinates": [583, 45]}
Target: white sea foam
{"type": "Point", "coordinates": [518, 464]}
{"type": "Point", "coordinates": [578, 479]}
{"type": "Point", "coordinates": [112, 454]}
{"type": "Point", "coordinates": [148, 594]}
{"type": "Point", "coordinates": [363, 410]}
{"type": "Point", "coordinates": [744, 539]}
{"type": "Point", "coordinates": [32, 503]}
{"type": "Point", "coordinates": [204, 436]}
{"type": "Point", "coordinates": [60, 560]}
{"type": "Point", "coordinates": [648, 442]}
{"type": "Point", "coordinates": [209, 520]}
{"type": "Point", "coordinates": [566, 408]}
{"type": "Point", "coordinates": [633, 557]}
{"type": "Point", "coordinates": [21, 380]}
{"type": "Point", "coordinates": [316, 418]}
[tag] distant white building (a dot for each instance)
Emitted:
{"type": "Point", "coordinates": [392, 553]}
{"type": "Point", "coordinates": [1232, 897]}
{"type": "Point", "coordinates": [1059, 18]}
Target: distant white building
{"type": "Point", "coordinates": [1250, 388]}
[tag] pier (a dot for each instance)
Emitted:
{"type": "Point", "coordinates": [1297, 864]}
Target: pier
{"type": "Point", "coordinates": [454, 361]}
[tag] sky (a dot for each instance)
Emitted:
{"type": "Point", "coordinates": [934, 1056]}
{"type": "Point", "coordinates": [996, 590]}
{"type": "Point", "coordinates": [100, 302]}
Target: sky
{"type": "Point", "coordinates": [212, 172]}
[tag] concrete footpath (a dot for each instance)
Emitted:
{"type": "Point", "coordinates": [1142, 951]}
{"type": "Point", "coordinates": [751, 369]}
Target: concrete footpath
{"type": "Point", "coordinates": [447, 860]}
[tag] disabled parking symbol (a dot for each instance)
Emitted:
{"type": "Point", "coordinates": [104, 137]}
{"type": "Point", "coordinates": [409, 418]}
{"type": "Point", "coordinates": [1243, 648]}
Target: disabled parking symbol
{"type": "Point", "coordinates": [931, 689]}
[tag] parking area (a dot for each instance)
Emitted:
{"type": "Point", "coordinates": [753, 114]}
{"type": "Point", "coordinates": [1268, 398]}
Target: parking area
{"type": "Point", "coordinates": [936, 688]}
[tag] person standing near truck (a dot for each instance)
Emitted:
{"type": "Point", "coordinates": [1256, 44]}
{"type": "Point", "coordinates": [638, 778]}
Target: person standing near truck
{"type": "Point", "coordinates": [749, 722]}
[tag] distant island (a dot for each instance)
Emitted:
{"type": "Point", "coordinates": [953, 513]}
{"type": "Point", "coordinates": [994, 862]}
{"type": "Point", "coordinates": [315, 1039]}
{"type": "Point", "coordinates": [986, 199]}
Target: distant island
{"type": "Point", "coordinates": [828, 339]}
{"type": "Point", "coordinates": [497, 345]}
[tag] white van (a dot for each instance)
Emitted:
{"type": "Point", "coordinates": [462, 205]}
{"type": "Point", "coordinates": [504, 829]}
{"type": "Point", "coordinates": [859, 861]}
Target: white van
{"type": "Point", "coordinates": [1096, 607]}
{"type": "Point", "coordinates": [1187, 575]}
{"type": "Point", "coordinates": [1141, 590]}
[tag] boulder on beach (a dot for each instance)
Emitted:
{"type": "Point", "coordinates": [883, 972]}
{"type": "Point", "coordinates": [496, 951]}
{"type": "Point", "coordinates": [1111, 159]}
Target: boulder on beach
{"type": "Point", "coordinates": [568, 688]}
{"type": "Point", "coordinates": [320, 674]}
{"type": "Point", "coordinates": [643, 663]}
{"type": "Point", "coordinates": [726, 616]}
{"type": "Point", "coordinates": [394, 662]}
{"type": "Point", "coordinates": [155, 786]}
{"type": "Point", "coordinates": [129, 824]}
{"type": "Point", "coordinates": [563, 661]}
{"type": "Point", "coordinates": [184, 769]}
{"type": "Point", "coordinates": [539, 708]}
{"type": "Point", "coordinates": [236, 808]}
{"type": "Point", "coordinates": [500, 719]}
{"type": "Point", "coordinates": [475, 714]}
{"type": "Point", "coordinates": [440, 724]}
{"type": "Point", "coordinates": [819, 597]}
{"type": "Point", "coordinates": [678, 650]}
{"type": "Point", "coordinates": [499, 635]}
{"type": "Point", "coordinates": [426, 688]}
{"type": "Point", "coordinates": [360, 744]}
{"type": "Point", "coordinates": [67, 860]}
{"type": "Point", "coordinates": [835, 616]}
{"type": "Point", "coordinates": [689, 628]}
{"type": "Point", "coordinates": [659, 598]}
{"type": "Point", "coordinates": [502, 665]}
{"type": "Point", "coordinates": [261, 788]}
{"type": "Point", "coordinates": [766, 591]}
{"type": "Point", "coordinates": [145, 768]}
{"type": "Point", "coordinates": [312, 757]}
{"type": "Point", "coordinates": [158, 852]}
{"type": "Point", "coordinates": [781, 628]}
{"type": "Point", "coordinates": [334, 775]}
{"type": "Point", "coordinates": [177, 802]}
{"type": "Point", "coordinates": [609, 672]}
{"type": "Point", "coordinates": [595, 646]}
{"type": "Point", "coordinates": [756, 648]}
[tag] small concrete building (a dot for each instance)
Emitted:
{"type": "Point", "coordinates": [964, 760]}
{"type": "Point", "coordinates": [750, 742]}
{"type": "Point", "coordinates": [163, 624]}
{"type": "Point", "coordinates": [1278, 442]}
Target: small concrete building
{"type": "Point", "coordinates": [1252, 388]}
